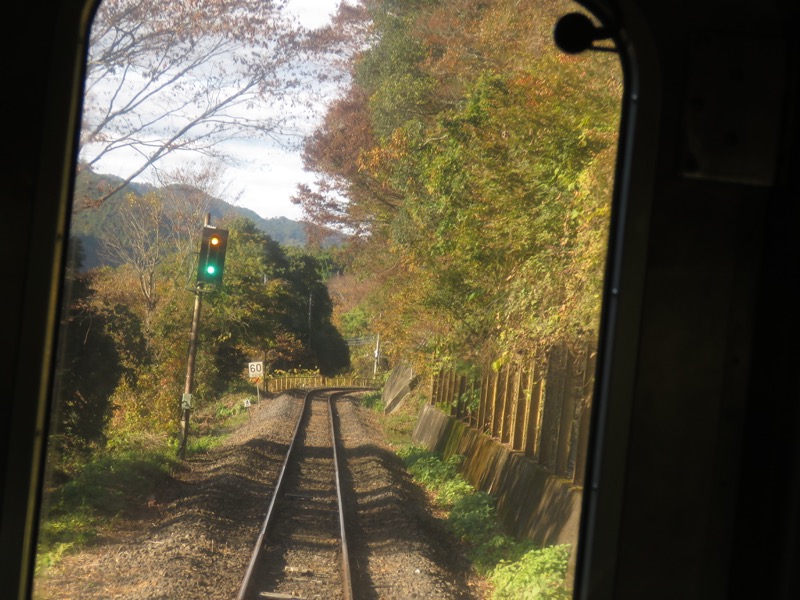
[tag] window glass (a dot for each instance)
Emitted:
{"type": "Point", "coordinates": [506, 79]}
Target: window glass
{"type": "Point", "coordinates": [411, 196]}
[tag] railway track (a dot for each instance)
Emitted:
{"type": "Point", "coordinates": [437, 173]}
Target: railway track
{"type": "Point", "coordinates": [301, 551]}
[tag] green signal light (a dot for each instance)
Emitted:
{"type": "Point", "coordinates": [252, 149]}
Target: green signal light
{"type": "Point", "coordinates": [211, 261]}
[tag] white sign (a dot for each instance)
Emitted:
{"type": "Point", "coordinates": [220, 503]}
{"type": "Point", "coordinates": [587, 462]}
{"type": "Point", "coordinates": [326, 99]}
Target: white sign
{"type": "Point", "coordinates": [255, 370]}
{"type": "Point", "coordinates": [247, 403]}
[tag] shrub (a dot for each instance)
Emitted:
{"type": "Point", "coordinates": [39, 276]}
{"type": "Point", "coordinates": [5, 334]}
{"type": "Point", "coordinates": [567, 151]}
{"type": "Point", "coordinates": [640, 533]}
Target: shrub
{"type": "Point", "coordinates": [517, 570]}
{"type": "Point", "coordinates": [98, 489]}
{"type": "Point", "coordinates": [372, 401]}
{"type": "Point", "coordinates": [539, 574]}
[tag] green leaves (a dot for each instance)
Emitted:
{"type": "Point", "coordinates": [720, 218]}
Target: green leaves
{"type": "Point", "coordinates": [540, 574]}
{"type": "Point", "coordinates": [515, 569]}
{"type": "Point", "coordinates": [124, 358]}
{"type": "Point", "coordinates": [494, 150]}
{"type": "Point", "coordinates": [273, 303]}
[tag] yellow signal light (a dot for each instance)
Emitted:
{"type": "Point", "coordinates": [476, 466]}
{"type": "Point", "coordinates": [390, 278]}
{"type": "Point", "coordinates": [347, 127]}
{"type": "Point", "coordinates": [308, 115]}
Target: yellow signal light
{"type": "Point", "coordinates": [211, 261]}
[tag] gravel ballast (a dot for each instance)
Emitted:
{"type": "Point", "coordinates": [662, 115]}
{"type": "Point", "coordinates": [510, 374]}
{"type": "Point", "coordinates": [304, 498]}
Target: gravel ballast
{"type": "Point", "coordinates": [195, 536]}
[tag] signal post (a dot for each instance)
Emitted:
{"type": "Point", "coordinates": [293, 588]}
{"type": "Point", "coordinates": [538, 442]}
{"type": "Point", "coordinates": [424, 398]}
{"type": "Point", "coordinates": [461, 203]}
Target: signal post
{"type": "Point", "coordinates": [210, 268]}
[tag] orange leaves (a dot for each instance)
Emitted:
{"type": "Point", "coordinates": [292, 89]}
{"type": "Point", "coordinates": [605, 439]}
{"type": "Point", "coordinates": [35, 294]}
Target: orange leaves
{"type": "Point", "coordinates": [483, 174]}
{"type": "Point", "coordinates": [378, 159]}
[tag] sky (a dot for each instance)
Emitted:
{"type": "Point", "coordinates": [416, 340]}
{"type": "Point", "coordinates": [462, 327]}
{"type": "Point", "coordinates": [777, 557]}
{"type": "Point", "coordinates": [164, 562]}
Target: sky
{"type": "Point", "coordinates": [269, 175]}
{"type": "Point", "coordinates": [263, 176]}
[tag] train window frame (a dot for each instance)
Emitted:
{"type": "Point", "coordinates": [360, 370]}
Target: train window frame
{"type": "Point", "coordinates": [621, 314]}
{"type": "Point", "coordinates": [621, 311]}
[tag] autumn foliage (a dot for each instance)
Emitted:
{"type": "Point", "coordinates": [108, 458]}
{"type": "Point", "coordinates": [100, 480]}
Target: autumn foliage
{"type": "Point", "coordinates": [474, 164]}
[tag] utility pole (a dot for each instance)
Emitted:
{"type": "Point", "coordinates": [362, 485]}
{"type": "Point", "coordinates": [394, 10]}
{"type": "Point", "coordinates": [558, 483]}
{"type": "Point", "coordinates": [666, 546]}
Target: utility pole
{"type": "Point", "coordinates": [188, 389]}
{"type": "Point", "coordinates": [310, 304]}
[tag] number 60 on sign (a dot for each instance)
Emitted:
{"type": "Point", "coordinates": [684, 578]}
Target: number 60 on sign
{"type": "Point", "coordinates": [255, 370]}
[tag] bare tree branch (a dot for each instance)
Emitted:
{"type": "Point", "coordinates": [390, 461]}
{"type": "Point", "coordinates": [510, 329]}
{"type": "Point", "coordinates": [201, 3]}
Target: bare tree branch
{"type": "Point", "coordinates": [185, 77]}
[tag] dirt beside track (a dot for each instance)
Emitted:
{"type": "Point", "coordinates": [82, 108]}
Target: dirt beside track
{"type": "Point", "coordinates": [194, 538]}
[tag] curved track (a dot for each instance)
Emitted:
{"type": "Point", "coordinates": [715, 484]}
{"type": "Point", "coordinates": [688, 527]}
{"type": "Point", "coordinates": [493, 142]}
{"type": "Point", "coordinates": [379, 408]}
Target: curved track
{"type": "Point", "coordinates": [301, 551]}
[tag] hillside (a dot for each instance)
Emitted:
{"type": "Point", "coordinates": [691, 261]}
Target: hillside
{"type": "Point", "coordinates": [89, 221]}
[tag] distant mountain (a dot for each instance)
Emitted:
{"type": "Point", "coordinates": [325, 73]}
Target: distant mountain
{"type": "Point", "coordinates": [90, 219]}
{"type": "Point", "coordinates": [281, 229]}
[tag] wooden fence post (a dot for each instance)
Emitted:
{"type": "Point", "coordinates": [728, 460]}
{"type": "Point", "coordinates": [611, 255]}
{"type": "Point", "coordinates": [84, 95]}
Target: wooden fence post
{"type": "Point", "coordinates": [445, 389]}
{"type": "Point", "coordinates": [551, 412]}
{"type": "Point", "coordinates": [453, 400]}
{"type": "Point", "coordinates": [531, 409]}
{"type": "Point", "coordinates": [508, 387]}
{"type": "Point", "coordinates": [456, 403]}
{"type": "Point", "coordinates": [511, 405]}
{"type": "Point", "coordinates": [497, 406]}
{"type": "Point", "coordinates": [440, 396]}
{"type": "Point", "coordinates": [483, 406]}
{"type": "Point", "coordinates": [490, 386]}
{"type": "Point", "coordinates": [534, 429]}
{"type": "Point", "coordinates": [521, 404]}
{"type": "Point", "coordinates": [567, 417]}
{"type": "Point", "coordinates": [451, 392]}
{"type": "Point", "coordinates": [585, 418]}
{"type": "Point", "coordinates": [473, 412]}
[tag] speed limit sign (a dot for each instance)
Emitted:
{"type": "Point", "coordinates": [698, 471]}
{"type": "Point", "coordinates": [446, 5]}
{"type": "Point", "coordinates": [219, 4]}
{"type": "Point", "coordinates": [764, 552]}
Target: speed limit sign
{"type": "Point", "coordinates": [255, 370]}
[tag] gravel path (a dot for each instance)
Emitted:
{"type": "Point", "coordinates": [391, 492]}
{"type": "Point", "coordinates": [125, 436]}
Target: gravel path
{"type": "Point", "coordinates": [195, 538]}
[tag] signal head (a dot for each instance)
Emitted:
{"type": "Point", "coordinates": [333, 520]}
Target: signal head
{"type": "Point", "coordinates": [213, 245]}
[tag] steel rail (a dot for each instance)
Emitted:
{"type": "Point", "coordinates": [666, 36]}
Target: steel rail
{"type": "Point", "coordinates": [347, 582]}
{"type": "Point", "coordinates": [244, 590]}
{"type": "Point", "coordinates": [262, 534]}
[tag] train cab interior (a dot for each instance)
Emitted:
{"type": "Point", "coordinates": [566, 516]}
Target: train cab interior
{"type": "Point", "coordinates": [693, 483]}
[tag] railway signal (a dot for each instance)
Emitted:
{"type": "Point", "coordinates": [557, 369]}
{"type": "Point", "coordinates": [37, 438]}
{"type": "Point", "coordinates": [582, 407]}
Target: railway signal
{"type": "Point", "coordinates": [213, 246]}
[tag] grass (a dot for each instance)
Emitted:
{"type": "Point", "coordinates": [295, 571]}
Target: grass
{"type": "Point", "coordinates": [399, 425]}
{"type": "Point", "coordinates": [516, 570]}
{"type": "Point", "coordinates": [539, 574]}
{"type": "Point", "coordinates": [87, 493]}
{"type": "Point", "coordinates": [373, 401]}
{"type": "Point", "coordinates": [96, 489]}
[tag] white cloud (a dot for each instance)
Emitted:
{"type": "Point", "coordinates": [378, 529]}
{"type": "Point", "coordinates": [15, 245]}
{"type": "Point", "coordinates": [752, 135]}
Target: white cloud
{"type": "Point", "coordinates": [264, 175]}
{"type": "Point", "coordinates": [267, 179]}
{"type": "Point", "coordinates": [313, 13]}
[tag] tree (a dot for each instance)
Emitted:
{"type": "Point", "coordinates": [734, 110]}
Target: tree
{"type": "Point", "coordinates": [163, 222]}
{"type": "Point", "coordinates": [327, 348]}
{"type": "Point", "coordinates": [137, 241]}
{"type": "Point", "coordinates": [475, 176]}
{"type": "Point", "coordinates": [89, 365]}
{"type": "Point", "coordinates": [165, 77]}
{"type": "Point", "coordinates": [188, 192]}
{"type": "Point", "coordinates": [345, 195]}
{"type": "Point", "coordinates": [273, 306]}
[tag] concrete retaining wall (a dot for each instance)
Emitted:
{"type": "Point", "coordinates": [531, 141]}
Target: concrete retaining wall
{"type": "Point", "coordinates": [531, 502]}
